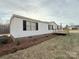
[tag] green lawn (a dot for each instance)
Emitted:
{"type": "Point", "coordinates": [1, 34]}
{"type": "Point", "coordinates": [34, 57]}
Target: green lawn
{"type": "Point", "coordinates": [60, 47]}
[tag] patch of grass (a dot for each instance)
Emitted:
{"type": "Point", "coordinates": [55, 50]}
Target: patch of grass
{"type": "Point", "coordinates": [60, 47]}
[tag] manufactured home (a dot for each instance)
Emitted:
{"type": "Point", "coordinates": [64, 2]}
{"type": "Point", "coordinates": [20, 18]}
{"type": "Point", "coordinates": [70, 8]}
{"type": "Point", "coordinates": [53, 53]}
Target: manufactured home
{"type": "Point", "coordinates": [23, 27]}
{"type": "Point", "coordinates": [74, 27]}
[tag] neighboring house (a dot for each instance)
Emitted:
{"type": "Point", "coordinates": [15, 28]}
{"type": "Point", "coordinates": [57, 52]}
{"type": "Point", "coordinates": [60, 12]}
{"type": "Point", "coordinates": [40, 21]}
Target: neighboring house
{"type": "Point", "coordinates": [23, 27]}
{"type": "Point", "coordinates": [74, 27]}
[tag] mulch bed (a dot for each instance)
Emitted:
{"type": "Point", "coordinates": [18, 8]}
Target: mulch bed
{"type": "Point", "coordinates": [24, 42]}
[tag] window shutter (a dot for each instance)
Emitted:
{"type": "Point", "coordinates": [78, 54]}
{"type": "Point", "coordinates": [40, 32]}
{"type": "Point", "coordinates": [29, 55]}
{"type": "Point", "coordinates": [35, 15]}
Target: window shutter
{"type": "Point", "coordinates": [36, 26]}
{"type": "Point", "coordinates": [24, 25]}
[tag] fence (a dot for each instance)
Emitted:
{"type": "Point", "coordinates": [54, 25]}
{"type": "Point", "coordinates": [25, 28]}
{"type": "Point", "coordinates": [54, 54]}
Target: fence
{"type": "Point", "coordinates": [4, 29]}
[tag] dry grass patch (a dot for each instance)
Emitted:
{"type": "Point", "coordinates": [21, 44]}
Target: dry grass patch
{"type": "Point", "coordinates": [60, 47]}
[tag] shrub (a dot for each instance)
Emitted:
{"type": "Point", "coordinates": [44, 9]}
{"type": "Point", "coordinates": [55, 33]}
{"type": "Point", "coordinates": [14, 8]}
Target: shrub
{"type": "Point", "coordinates": [4, 40]}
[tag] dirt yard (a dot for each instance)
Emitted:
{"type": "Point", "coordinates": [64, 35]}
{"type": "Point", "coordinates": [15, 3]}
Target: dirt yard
{"type": "Point", "coordinates": [60, 47]}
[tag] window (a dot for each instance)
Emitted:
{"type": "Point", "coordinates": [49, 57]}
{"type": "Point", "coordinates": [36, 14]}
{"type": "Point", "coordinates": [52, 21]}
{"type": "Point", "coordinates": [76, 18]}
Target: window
{"type": "Point", "coordinates": [50, 27]}
{"type": "Point", "coordinates": [24, 25]}
{"type": "Point", "coordinates": [33, 26]}
{"type": "Point", "coordinates": [28, 25]}
{"type": "Point", "coordinates": [58, 27]}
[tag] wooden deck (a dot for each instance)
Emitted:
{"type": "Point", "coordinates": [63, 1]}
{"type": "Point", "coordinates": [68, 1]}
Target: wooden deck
{"type": "Point", "coordinates": [60, 33]}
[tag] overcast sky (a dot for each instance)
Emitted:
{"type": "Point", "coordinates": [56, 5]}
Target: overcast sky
{"type": "Point", "coordinates": [60, 11]}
